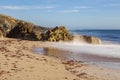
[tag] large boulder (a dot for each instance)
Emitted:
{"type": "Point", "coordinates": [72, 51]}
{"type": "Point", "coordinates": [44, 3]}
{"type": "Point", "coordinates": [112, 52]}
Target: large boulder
{"type": "Point", "coordinates": [27, 30]}
{"type": "Point", "coordinates": [57, 34]}
{"type": "Point", "coordinates": [86, 39]}
{"type": "Point", "coordinates": [15, 28]}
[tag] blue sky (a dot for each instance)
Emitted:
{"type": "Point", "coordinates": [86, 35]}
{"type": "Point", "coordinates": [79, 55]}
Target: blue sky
{"type": "Point", "coordinates": [74, 14]}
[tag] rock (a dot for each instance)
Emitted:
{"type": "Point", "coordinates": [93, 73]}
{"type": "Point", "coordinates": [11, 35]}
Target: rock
{"type": "Point", "coordinates": [93, 40]}
{"type": "Point", "coordinates": [2, 32]}
{"type": "Point", "coordinates": [26, 30]}
{"type": "Point", "coordinates": [7, 22]}
{"type": "Point", "coordinates": [21, 30]}
{"type": "Point", "coordinates": [86, 39]}
{"type": "Point", "coordinates": [57, 34]}
{"type": "Point", "coordinates": [14, 28]}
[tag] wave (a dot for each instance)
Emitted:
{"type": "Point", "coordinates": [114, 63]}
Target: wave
{"type": "Point", "coordinates": [109, 35]}
{"type": "Point", "coordinates": [104, 50]}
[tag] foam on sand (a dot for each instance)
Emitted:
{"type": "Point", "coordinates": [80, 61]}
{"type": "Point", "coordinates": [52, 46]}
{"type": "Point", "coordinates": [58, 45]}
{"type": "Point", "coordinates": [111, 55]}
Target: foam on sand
{"type": "Point", "coordinates": [105, 50]}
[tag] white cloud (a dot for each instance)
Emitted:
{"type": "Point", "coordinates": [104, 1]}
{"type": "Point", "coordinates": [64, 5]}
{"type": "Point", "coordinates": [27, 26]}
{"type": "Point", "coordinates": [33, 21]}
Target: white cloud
{"type": "Point", "coordinates": [112, 5]}
{"type": "Point", "coordinates": [14, 7]}
{"type": "Point", "coordinates": [83, 7]}
{"type": "Point", "coordinates": [70, 11]}
{"type": "Point", "coordinates": [49, 7]}
{"type": "Point", "coordinates": [26, 7]}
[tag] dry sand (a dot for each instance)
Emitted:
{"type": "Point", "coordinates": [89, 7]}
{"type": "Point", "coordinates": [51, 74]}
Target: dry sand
{"type": "Point", "coordinates": [18, 62]}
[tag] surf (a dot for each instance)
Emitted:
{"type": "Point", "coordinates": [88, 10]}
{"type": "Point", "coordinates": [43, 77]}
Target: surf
{"type": "Point", "coordinates": [105, 50]}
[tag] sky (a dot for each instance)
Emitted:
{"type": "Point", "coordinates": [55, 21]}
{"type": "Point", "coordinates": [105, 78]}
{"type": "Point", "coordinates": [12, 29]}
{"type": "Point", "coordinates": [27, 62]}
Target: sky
{"type": "Point", "coordinates": [74, 14]}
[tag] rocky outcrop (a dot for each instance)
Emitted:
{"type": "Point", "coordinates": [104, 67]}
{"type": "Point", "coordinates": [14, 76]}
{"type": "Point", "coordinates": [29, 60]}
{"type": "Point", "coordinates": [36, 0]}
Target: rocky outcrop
{"type": "Point", "coordinates": [26, 30]}
{"type": "Point", "coordinates": [14, 28]}
{"type": "Point", "coordinates": [29, 31]}
{"type": "Point", "coordinates": [57, 34]}
{"type": "Point", "coordinates": [86, 39]}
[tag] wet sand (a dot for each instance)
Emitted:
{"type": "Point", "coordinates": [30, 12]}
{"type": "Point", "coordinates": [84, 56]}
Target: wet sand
{"type": "Point", "coordinates": [19, 62]}
{"type": "Point", "coordinates": [82, 57]}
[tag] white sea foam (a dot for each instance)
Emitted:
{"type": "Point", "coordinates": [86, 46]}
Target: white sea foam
{"type": "Point", "coordinates": [105, 50]}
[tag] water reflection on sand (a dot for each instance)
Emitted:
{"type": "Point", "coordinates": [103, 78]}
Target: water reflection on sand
{"type": "Point", "coordinates": [87, 58]}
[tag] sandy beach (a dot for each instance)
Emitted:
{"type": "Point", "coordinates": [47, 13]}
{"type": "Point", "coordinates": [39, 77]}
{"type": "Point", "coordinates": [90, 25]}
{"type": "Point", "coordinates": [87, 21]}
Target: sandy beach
{"type": "Point", "coordinates": [19, 62]}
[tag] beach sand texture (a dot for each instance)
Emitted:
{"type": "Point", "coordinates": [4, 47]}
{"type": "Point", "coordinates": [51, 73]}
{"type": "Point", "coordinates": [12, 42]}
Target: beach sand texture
{"type": "Point", "coordinates": [18, 62]}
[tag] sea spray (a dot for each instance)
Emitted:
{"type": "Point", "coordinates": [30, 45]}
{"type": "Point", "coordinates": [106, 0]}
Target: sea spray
{"type": "Point", "coordinates": [107, 55]}
{"type": "Point", "coordinates": [105, 50]}
{"type": "Point", "coordinates": [86, 39]}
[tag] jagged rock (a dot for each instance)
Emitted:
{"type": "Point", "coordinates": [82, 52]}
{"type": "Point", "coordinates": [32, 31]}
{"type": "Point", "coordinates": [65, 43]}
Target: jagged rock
{"type": "Point", "coordinates": [57, 34]}
{"type": "Point", "coordinates": [14, 28]}
{"type": "Point", "coordinates": [86, 39]}
{"type": "Point", "coordinates": [26, 30]}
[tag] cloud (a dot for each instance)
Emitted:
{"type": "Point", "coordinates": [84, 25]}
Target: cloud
{"type": "Point", "coordinates": [83, 7]}
{"type": "Point", "coordinates": [70, 11]}
{"type": "Point", "coordinates": [113, 5]}
{"type": "Point", "coordinates": [26, 7]}
{"type": "Point", "coordinates": [14, 7]}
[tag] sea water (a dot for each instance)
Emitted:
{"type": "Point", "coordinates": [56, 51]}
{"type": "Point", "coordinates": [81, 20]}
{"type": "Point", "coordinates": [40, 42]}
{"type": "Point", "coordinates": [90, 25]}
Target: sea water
{"type": "Point", "coordinates": [112, 36]}
{"type": "Point", "coordinates": [105, 54]}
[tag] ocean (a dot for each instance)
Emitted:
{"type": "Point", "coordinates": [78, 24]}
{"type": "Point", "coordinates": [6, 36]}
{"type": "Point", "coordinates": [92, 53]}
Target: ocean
{"type": "Point", "coordinates": [106, 54]}
{"type": "Point", "coordinates": [112, 36]}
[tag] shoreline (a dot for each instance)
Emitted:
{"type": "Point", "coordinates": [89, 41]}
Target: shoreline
{"type": "Point", "coordinates": [18, 62]}
{"type": "Point", "coordinates": [101, 61]}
